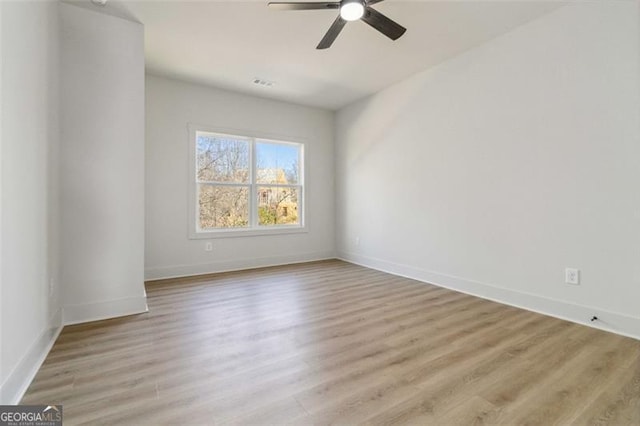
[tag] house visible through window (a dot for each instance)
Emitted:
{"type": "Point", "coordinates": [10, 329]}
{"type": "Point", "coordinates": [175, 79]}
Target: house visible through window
{"type": "Point", "coordinates": [244, 183]}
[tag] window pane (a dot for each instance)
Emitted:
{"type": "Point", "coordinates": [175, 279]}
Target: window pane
{"type": "Point", "coordinates": [278, 163]}
{"type": "Point", "coordinates": [223, 206]}
{"type": "Point", "coordinates": [278, 205]}
{"type": "Point", "coordinates": [221, 158]}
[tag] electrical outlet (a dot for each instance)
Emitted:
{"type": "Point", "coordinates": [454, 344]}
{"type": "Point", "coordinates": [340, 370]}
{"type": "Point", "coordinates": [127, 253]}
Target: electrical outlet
{"type": "Point", "coordinates": [208, 246]}
{"type": "Point", "coordinates": [572, 276]}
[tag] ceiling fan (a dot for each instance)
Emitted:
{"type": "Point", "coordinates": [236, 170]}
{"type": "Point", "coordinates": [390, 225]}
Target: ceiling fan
{"type": "Point", "coordinates": [350, 10]}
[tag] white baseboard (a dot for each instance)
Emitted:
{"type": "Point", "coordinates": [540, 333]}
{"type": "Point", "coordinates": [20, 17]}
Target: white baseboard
{"type": "Point", "coordinates": [609, 321]}
{"type": "Point", "coordinates": [164, 272]}
{"type": "Point", "coordinates": [18, 381]}
{"type": "Point", "coordinates": [75, 314]}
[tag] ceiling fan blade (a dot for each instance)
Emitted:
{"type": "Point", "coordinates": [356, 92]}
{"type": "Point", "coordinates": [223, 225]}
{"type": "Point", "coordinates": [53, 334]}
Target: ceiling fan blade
{"type": "Point", "coordinates": [333, 32]}
{"type": "Point", "coordinates": [287, 5]}
{"type": "Point", "coordinates": [383, 24]}
{"type": "Point", "coordinates": [370, 2]}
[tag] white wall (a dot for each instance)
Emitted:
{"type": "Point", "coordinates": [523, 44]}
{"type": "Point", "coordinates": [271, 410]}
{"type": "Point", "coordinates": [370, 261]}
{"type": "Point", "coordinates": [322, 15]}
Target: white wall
{"type": "Point", "coordinates": [102, 165]}
{"type": "Point", "coordinates": [170, 106]}
{"type": "Point", "coordinates": [494, 171]}
{"type": "Point", "coordinates": [29, 310]}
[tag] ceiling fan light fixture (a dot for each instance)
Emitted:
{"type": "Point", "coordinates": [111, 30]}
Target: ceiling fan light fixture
{"type": "Point", "coordinates": [351, 10]}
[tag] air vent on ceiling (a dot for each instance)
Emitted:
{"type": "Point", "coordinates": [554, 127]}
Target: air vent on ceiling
{"type": "Point", "coordinates": [264, 83]}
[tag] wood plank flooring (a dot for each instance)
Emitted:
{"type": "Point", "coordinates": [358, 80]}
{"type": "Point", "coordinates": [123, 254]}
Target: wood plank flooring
{"type": "Point", "coordinates": [334, 343]}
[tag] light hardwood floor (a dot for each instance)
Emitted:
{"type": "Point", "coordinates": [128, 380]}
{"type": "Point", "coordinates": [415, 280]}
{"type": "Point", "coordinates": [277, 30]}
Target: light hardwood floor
{"type": "Point", "coordinates": [330, 342]}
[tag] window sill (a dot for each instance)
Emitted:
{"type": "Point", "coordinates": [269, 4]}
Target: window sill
{"type": "Point", "coordinates": [236, 233]}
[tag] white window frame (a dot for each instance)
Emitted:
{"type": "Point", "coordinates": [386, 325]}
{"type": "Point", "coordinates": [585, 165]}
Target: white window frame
{"type": "Point", "coordinates": [253, 229]}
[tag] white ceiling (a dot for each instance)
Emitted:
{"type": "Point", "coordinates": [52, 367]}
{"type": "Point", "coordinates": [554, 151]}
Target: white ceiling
{"type": "Point", "coordinates": [227, 44]}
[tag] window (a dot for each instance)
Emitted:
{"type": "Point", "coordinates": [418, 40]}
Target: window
{"type": "Point", "coordinates": [244, 185]}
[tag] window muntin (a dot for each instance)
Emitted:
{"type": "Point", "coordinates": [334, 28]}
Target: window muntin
{"type": "Point", "coordinates": [246, 184]}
